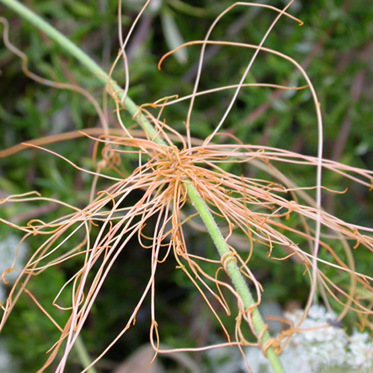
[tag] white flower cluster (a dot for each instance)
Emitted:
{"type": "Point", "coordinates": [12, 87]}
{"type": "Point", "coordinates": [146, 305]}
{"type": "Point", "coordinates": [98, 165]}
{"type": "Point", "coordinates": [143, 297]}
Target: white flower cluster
{"type": "Point", "coordinates": [8, 250]}
{"type": "Point", "coordinates": [327, 348]}
{"type": "Point", "coordinates": [8, 247]}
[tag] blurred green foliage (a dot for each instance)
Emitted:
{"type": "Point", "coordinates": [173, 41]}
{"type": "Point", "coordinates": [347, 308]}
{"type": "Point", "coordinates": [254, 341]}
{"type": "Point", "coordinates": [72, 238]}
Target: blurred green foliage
{"type": "Point", "coordinates": [335, 45]}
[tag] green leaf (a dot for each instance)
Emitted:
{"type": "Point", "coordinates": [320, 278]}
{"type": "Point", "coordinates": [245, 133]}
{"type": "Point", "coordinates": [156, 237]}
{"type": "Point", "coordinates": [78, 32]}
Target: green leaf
{"type": "Point", "coordinates": [173, 36]}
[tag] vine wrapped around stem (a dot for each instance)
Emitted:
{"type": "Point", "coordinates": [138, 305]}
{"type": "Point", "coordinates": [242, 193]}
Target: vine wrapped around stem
{"type": "Point", "coordinates": [178, 170]}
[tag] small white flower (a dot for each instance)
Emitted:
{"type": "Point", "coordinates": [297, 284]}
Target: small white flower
{"type": "Point", "coordinates": [7, 363]}
{"type": "Point", "coordinates": [326, 349]}
{"type": "Point", "coordinates": [360, 350]}
{"type": "Point", "coordinates": [8, 251]}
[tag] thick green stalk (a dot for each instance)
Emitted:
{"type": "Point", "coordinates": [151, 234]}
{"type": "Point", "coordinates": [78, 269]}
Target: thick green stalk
{"type": "Point", "coordinates": [234, 272]}
{"type": "Point", "coordinates": [83, 355]}
{"type": "Point", "coordinates": [237, 278]}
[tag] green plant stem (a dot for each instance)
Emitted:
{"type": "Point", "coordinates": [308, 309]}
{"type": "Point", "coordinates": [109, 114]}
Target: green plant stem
{"type": "Point", "coordinates": [235, 274]}
{"type": "Point", "coordinates": [83, 355]}
{"type": "Point", "coordinates": [233, 270]}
